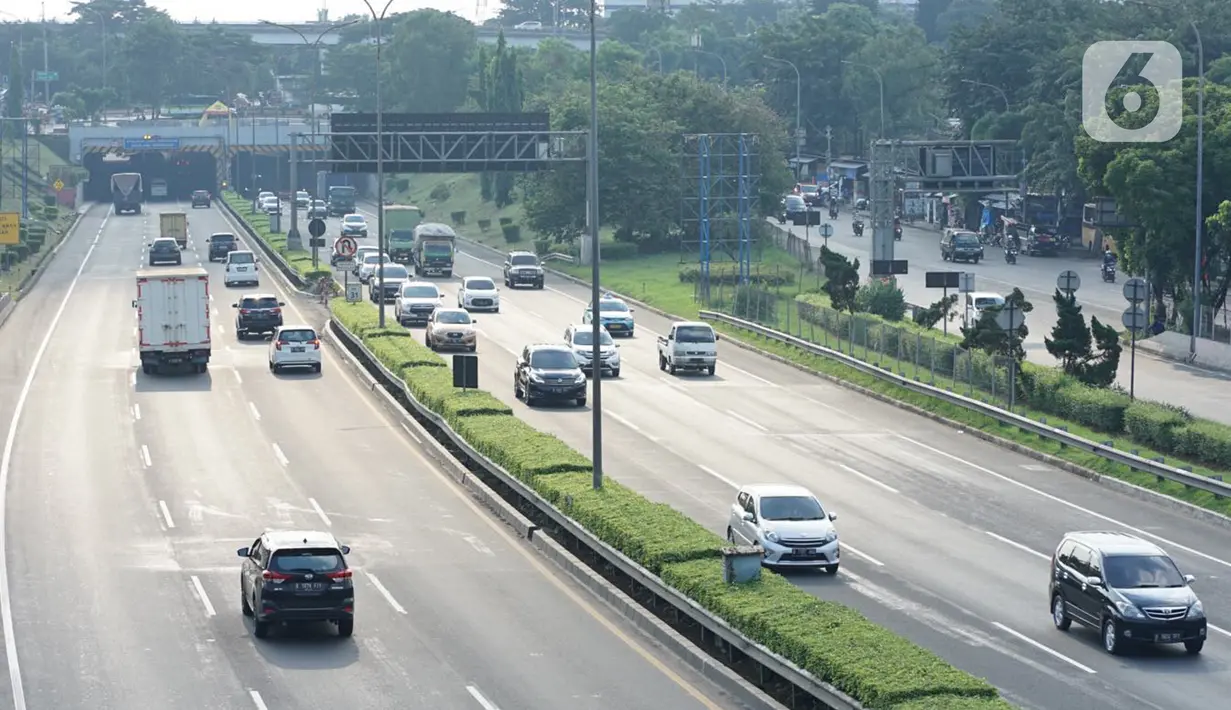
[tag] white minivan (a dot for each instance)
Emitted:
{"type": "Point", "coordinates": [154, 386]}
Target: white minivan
{"type": "Point", "coordinates": [241, 269]}
{"type": "Point", "coordinates": [977, 302]}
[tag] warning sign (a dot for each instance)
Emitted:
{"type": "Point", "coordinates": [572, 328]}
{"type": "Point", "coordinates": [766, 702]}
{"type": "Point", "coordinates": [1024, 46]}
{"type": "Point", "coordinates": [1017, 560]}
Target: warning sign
{"type": "Point", "coordinates": [58, 185]}
{"type": "Point", "coordinates": [10, 228]}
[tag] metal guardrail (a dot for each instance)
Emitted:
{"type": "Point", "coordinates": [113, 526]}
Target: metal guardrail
{"type": "Point", "coordinates": [829, 697]}
{"type": "Point", "coordinates": [1133, 461]}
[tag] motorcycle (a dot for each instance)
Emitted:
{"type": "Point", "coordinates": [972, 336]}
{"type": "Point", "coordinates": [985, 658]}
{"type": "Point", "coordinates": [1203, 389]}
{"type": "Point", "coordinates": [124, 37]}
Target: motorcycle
{"type": "Point", "coordinates": [858, 227]}
{"type": "Point", "coordinates": [897, 234]}
{"type": "Point", "coordinates": [1109, 273]}
{"type": "Point", "coordinates": [1010, 255]}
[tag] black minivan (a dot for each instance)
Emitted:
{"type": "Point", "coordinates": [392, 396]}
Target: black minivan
{"type": "Point", "coordinates": [1126, 588]}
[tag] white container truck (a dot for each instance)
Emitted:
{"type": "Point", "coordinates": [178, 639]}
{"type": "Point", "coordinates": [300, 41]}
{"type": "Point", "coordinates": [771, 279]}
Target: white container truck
{"type": "Point", "coordinates": [173, 326]}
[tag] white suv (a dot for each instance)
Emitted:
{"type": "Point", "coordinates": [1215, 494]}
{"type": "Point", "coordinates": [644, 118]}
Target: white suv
{"type": "Point", "coordinates": [789, 523]}
{"type": "Point", "coordinates": [581, 339]}
{"type": "Point", "coordinates": [241, 269]}
{"type": "Point", "coordinates": [295, 346]}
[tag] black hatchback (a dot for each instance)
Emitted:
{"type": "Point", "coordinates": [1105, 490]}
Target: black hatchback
{"type": "Point", "coordinates": [201, 198]}
{"type": "Point", "coordinates": [1127, 589]}
{"type": "Point", "coordinates": [164, 250]}
{"type": "Point", "coordinates": [220, 245]}
{"type": "Point", "coordinates": [549, 373]}
{"type": "Point", "coordinates": [296, 577]}
{"type": "Point", "coordinates": [257, 313]}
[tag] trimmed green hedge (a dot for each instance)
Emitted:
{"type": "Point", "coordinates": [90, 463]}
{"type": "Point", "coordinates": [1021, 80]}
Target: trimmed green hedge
{"type": "Point", "coordinates": [299, 261]}
{"type": "Point", "coordinates": [836, 643]}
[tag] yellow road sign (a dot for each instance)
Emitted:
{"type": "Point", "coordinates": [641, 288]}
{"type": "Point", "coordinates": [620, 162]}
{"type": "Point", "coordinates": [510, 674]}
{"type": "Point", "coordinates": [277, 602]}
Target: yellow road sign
{"type": "Point", "coordinates": [10, 228]}
{"type": "Point", "coordinates": [59, 185]}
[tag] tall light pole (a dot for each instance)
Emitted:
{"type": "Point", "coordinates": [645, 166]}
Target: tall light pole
{"type": "Point", "coordinates": [379, 19]}
{"type": "Point", "coordinates": [799, 101]}
{"type": "Point", "coordinates": [1196, 327]}
{"type": "Point", "coordinates": [102, 19]}
{"type": "Point", "coordinates": [1005, 98]}
{"type": "Point", "coordinates": [596, 340]}
{"type": "Point", "coordinates": [880, 81]}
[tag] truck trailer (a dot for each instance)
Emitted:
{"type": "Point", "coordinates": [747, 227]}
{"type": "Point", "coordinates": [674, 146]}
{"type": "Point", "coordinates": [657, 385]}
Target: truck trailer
{"type": "Point", "coordinates": [433, 249]}
{"type": "Point", "coordinates": [174, 225]}
{"type": "Point", "coordinates": [400, 223]}
{"type": "Point", "coordinates": [126, 192]}
{"type": "Point", "coordinates": [173, 327]}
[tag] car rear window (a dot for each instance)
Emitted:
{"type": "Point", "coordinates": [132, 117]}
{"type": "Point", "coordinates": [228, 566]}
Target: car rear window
{"type": "Point", "coordinates": [241, 257]}
{"type": "Point", "coordinates": [268, 302]}
{"type": "Point", "coordinates": [297, 336]}
{"type": "Point", "coordinates": [353, 219]}
{"type": "Point", "coordinates": [307, 561]}
{"type": "Point", "coordinates": [222, 239]}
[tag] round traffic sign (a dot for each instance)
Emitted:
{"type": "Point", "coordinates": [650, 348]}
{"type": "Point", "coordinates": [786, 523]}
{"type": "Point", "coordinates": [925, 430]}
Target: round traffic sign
{"type": "Point", "coordinates": [316, 227]}
{"type": "Point", "coordinates": [827, 230]}
{"type": "Point", "coordinates": [346, 246]}
{"type": "Point", "coordinates": [1068, 282]}
{"type": "Point", "coordinates": [1136, 290]}
{"type": "Point", "coordinates": [1009, 318]}
{"type": "Point", "coordinates": [1134, 317]}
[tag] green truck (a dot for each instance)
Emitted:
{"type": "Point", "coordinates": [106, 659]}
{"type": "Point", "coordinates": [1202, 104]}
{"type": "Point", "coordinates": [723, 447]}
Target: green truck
{"type": "Point", "coordinates": [400, 223]}
{"type": "Point", "coordinates": [433, 251]}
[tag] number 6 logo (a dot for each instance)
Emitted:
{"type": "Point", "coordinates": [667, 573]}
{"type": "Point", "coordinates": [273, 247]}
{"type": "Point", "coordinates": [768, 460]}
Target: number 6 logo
{"type": "Point", "coordinates": [1163, 72]}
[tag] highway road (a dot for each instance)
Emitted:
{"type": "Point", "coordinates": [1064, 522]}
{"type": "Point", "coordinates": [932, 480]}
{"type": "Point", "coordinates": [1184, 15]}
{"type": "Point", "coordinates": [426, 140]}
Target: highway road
{"type": "Point", "coordinates": [946, 537]}
{"type": "Point", "coordinates": [128, 495]}
{"type": "Point", "coordinates": [1203, 392]}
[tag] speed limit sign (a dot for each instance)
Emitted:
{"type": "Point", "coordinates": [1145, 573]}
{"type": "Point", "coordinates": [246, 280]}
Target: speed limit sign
{"type": "Point", "coordinates": [346, 246]}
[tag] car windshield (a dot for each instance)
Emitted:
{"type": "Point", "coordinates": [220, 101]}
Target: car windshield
{"type": "Point", "coordinates": [371, 258]}
{"type": "Point", "coordinates": [986, 302]}
{"type": "Point", "coordinates": [393, 271]}
{"type": "Point", "coordinates": [261, 302]}
{"type": "Point", "coordinates": [524, 260]}
{"type": "Point", "coordinates": [200, 193]}
{"type": "Point", "coordinates": [303, 335]}
{"type": "Point", "coordinates": [420, 292]}
{"type": "Point", "coordinates": [354, 219]}
{"type": "Point", "coordinates": [808, 189]}
{"type": "Point", "coordinates": [480, 285]}
{"type": "Point", "coordinates": [553, 360]}
{"type": "Point", "coordinates": [694, 334]}
{"type": "Point", "coordinates": [242, 257]}
{"type": "Point", "coordinates": [966, 240]}
{"type": "Point", "coordinates": [612, 306]}
{"type": "Point", "coordinates": [307, 561]}
{"type": "Point", "coordinates": [1136, 572]}
{"type": "Point", "coordinates": [795, 202]}
{"type": "Point", "coordinates": [586, 337]}
{"type": "Point", "coordinates": [791, 508]}
{"type": "Point", "coordinates": [453, 317]}
{"type": "Point", "coordinates": [319, 203]}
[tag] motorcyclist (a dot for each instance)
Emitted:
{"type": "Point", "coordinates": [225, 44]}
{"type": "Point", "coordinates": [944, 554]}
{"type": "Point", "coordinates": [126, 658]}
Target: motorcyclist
{"type": "Point", "coordinates": [857, 225]}
{"type": "Point", "coordinates": [1109, 259]}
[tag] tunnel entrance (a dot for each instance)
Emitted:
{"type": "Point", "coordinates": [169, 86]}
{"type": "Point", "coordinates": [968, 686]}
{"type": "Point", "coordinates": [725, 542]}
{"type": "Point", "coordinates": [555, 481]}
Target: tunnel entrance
{"type": "Point", "coordinates": [182, 172]}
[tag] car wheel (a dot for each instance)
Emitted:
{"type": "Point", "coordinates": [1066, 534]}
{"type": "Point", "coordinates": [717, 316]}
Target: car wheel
{"type": "Point", "coordinates": [1111, 637]}
{"type": "Point", "coordinates": [244, 606]}
{"type": "Point", "coordinates": [240, 333]}
{"type": "Point", "coordinates": [539, 285]}
{"type": "Point", "coordinates": [710, 370]}
{"type": "Point", "coordinates": [662, 363]}
{"type": "Point", "coordinates": [1194, 647]}
{"type": "Point", "coordinates": [346, 627]}
{"type": "Point", "coordinates": [831, 569]}
{"type": "Point", "coordinates": [516, 389]}
{"type": "Point", "coordinates": [427, 340]}
{"type": "Point", "coordinates": [271, 365]}
{"type": "Point", "coordinates": [530, 401]}
{"type": "Point", "coordinates": [581, 401]}
{"type": "Point", "coordinates": [730, 536]}
{"type": "Point", "coordinates": [615, 372]}
{"type": "Point", "coordinates": [260, 629]}
{"type": "Point", "coordinates": [317, 368]}
{"type": "Point", "coordinates": [1058, 615]}
{"type": "Point", "coordinates": [146, 368]}
{"type": "Point", "coordinates": [670, 368]}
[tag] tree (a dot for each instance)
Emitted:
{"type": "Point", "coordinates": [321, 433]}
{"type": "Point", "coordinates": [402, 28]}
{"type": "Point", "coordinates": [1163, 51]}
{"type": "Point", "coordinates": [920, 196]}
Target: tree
{"type": "Point", "coordinates": [942, 309]}
{"type": "Point", "coordinates": [986, 334]}
{"type": "Point", "coordinates": [431, 56]}
{"type": "Point", "coordinates": [504, 95]}
{"type": "Point", "coordinates": [151, 54]}
{"type": "Point", "coordinates": [14, 98]}
{"type": "Point", "coordinates": [841, 280]}
{"type": "Point", "coordinates": [1070, 341]}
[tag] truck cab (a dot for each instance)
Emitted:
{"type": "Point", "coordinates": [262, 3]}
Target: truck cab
{"type": "Point", "coordinates": [690, 345]}
{"type": "Point", "coordinates": [400, 222]}
{"type": "Point", "coordinates": [433, 249]}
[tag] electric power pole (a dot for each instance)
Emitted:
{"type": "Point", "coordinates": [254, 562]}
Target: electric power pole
{"type": "Point", "coordinates": [828, 150]}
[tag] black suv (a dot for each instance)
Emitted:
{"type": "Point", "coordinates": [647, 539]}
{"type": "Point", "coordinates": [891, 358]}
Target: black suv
{"type": "Point", "coordinates": [200, 198]}
{"type": "Point", "coordinates": [257, 313]}
{"type": "Point", "coordinates": [1126, 588]}
{"type": "Point", "coordinates": [164, 250]}
{"type": "Point", "coordinates": [960, 245]}
{"type": "Point", "coordinates": [549, 373]}
{"type": "Point", "coordinates": [523, 269]}
{"type": "Point", "coordinates": [296, 576]}
{"type": "Point", "coordinates": [220, 245]}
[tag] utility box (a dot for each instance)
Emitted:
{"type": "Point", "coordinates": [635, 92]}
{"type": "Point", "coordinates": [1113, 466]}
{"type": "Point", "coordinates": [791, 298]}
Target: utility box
{"type": "Point", "coordinates": [741, 564]}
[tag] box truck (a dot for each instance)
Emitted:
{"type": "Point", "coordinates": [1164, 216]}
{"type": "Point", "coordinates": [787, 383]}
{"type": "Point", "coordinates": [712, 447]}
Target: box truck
{"type": "Point", "coordinates": [174, 225]}
{"type": "Point", "coordinates": [126, 192]}
{"type": "Point", "coordinates": [400, 223]}
{"type": "Point", "coordinates": [173, 327]}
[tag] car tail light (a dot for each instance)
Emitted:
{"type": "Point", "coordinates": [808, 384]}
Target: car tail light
{"type": "Point", "coordinates": [278, 345]}
{"type": "Point", "coordinates": [344, 574]}
{"type": "Point", "coordinates": [316, 344]}
{"type": "Point", "coordinates": [276, 311]}
{"type": "Point", "coordinates": [244, 311]}
{"type": "Point", "coordinates": [275, 576]}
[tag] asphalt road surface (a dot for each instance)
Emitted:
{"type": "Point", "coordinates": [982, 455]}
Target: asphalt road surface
{"type": "Point", "coordinates": [1203, 392]}
{"type": "Point", "coordinates": [946, 538]}
{"type": "Point", "coordinates": [128, 496]}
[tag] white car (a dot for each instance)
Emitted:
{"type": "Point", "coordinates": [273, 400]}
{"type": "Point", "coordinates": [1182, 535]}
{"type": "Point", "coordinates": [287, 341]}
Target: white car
{"type": "Point", "coordinates": [581, 339]}
{"type": "Point", "coordinates": [360, 254]}
{"type": "Point", "coordinates": [355, 225]}
{"type": "Point", "coordinates": [367, 267]}
{"type": "Point", "coordinates": [788, 523]}
{"type": "Point", "coordinates": [264, 195]}
{"type": "Point", "coordinates": [979, 301]}
{"type": "Point", "coordinates": [303, 199]}
{"type": "Point", "coordinates": [241, 269]}
{"type": "Point", "coordinates": [294, 346]}
{"type": "Point", "coordinates": [416, 302]}
{"type": "Point", "coordinates": [532, 25]}
{"type": "Point", "coordinates": [478, 293]}
{"type": "Point", "coordinates": [271, 205]}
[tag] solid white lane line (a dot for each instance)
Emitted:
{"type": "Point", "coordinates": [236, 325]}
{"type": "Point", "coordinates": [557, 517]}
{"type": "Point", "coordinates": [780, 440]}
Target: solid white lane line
{"type": "Point", "coordinates": [1222, 631]}
{"type": "Point", "coordinates": [746, 420]}
{"type": "Point", "coordinates": [136, 411]}
{"type": "Point", "coordinates": [205, 602]}
{"type": "Point", "coordinates": [257, 700]}
{"type": "Point", "coordinates": [717, 475]}
{"type": "Point", "coordinates": [282, 459]}
{"type": "Point", "coordinates": [1061, 501]}
{"type": "Point", "coordinates": [746, 373]}
{"type": "Point", "coordinates": [622, 420]}
{"type": "Point", "coordinates": [1044, 649]}
{"type": "Point", "coordinates": [238, 377]}
{"type": "Point", "coordinates": [385, 593]}
{"type": "Point", "coordinates": [320, 512]}
{"type": "Point", "coordinates": [1018, 545]}
{"type": "Point", "coordinates": [255, 414]}
{"type": "Point", "coordinates": [166, 513]}
{"type": "Point", "coordinates": [868, 478]}
{"type": "Point", "coordinates": [864, 555]}
{"type": "Point", "coordinates": [482, 701]}
{"type": "Point", "coordinates": [145, 456]}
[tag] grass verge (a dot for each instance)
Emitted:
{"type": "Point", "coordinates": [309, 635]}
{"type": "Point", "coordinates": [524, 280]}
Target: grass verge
{"type": "Point", "coordinates": [12, 281]}
{"type": "Point", "coordinates": [833, 642]}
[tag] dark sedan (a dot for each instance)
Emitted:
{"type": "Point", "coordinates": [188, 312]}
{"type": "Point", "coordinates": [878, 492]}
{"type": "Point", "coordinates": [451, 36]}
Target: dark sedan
{"type": "Point", "coordinates": [201, 198]}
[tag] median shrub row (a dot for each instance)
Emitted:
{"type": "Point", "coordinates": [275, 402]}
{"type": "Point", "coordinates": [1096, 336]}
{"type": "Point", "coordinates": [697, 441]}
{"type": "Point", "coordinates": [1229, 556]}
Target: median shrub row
{"type": "Point", "coordinates": [835, 643]}
{"type": "Point", "coordinates": [1162, 428]}
{"type": "Point", "coordinates": [299, 261]}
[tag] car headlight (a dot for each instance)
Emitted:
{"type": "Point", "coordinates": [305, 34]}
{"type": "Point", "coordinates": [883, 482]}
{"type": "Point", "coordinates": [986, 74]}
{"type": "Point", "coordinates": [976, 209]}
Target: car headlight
{"type": "Point", "coordinates": [536, 378]}
{"type": "Point", "coordinates": [771, 536]}
{"type": "Point", "coordinates": [583, 354]}
{"type": "Point", "coordinates": [579, 378]}
{"type": "Point", "coordinates": [1196, 611]}
{"type": "Point", "coordinates": [831, 536]}
{"type": "Point", "coordinates": [1129, 611]}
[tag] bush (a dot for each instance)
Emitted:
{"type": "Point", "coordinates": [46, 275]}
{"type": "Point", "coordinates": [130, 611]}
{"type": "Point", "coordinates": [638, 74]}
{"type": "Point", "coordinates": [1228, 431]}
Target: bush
{"type": "Point", "coordinates": [458, 217]}
{"type": "Point", "coordinates": [20, 252]}
{"type": "Point", "coordinates": [954, 702]}
{"type": "Point", "coordinates": [433, 387]}
{"type": "Point", "coordinates": [51, 213]}
{"type": "Point", "coordinates": [484, 225]}
{"type": "Point", "coordinates": [883, 298]}
{"type": "Point", "coordinates": [617, 251]}
{"type": "Point", "coordinates": [359, 318]}
{"type": "Point", "coordinates": [834, 642]}
{"type": "Point", "coordinates": [1100, 409]}
{"type": "Point", "coordinates": [1204, 441]}
{"type": "Point", "coordinates": [1154, 425]}
{"type": "Point", "coordinates": [542, 246]}
{"type": "Point", "coordinates": [518, 447]}
{"type": "Point", "coordinates": [512, 233]}
{"type": "Point", "coordinates": [441, 192]}
{"type": "Point", "coordinates": [728, 275]}
{"type": "Point", "coordinates": [400, 352]}
{"type": "Point", "coordinates": [506, 221]}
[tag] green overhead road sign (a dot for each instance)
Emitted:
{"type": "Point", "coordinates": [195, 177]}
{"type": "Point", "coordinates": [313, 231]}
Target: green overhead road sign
{"type": "Point", "coordinates": [46, 76]}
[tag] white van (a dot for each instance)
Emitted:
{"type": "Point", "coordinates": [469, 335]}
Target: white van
{"type": "Point", "coordinates": [241, 269]}
{"type": "Point", "coordinates": [977, 302]}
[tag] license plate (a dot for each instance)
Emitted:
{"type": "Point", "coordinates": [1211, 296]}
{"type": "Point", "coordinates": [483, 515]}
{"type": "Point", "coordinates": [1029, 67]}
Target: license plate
{"type": "Point", "coordinates": [309, 586]}
{"type": "Point", "coordinates": [805, 552]}
{"type": "Point", "coordinates": [296, 350]}
{"type": "Point", "coordinates": [241, 269]}
{"type": "Point", "coordinates": [1167, 638]}
{"type": "Point", "coordinates": [614, 326]}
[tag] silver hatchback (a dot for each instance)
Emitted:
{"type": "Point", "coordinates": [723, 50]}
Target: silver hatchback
{"type": "Point", "coordinates": [789, 523]}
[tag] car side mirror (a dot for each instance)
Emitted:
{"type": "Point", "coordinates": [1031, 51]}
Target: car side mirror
{"type": "Point", "coordinates": [346, 549]}
{"type": "Point", "coordinates": [474, 320]}
{"type": "Point", "coordinates": [717, 337]}
{"type": "Point", "coordinates": [241, 552]}
{"type": "Point", "coordinates": [833, 516]}
{"type": "Point", "coordinates": [134, 303]}
{"type": "Point", "coordinates": [632, 310]}
{"type": "Point", "coordinates": [207, 240]}
{"type": "Point", "coordinates": [234, 305]}
{"type": "Point", "coordinates": [617, 345]}
{"type": "Point", "coordinates": [749, 517]}
{"type": "Point", "coordinates": [1189, 579]}
{"type": "Point", "coordinates": [1094, 581]}
{"type": "Point", "coordinates": [281, 303]}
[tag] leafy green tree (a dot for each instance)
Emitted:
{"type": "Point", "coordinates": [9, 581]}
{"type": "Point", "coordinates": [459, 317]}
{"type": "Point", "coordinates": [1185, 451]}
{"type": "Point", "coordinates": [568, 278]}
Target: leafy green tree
{"type": "Point", "coordinates": [150, 55]}
{"type": "Point", "coordinates": [15, 97]}
{"type": "Point", "coordinates": [1070, 341]}
{"type": "Point", "coordinates": [841, 280]}
{"type": "Point", "coordinates": [986, 334]}
{"type": "Point", "coordinates": [942, 309]}
{"type": "Point", "coordinates": [431, 56]}
{"type": "Point", "coordinates": [504, 95]}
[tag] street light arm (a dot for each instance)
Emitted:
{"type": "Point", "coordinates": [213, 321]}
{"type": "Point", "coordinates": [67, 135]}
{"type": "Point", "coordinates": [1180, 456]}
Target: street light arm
{"type": "Point", "coordinates": [799, 107]}
{"type": "Point", "coordinates": [880, 82]}
{"type": "Point", "coordinates": [288, 28]}
{"type": "Point", "coordinates": [993, 87]}
{"type": "Point", "coordinates": [334, 28]}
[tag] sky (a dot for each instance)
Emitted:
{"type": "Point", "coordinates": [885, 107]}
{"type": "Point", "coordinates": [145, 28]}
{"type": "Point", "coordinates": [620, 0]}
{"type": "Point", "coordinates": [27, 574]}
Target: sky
{"type": "Point", "coordinates": [247, 11]}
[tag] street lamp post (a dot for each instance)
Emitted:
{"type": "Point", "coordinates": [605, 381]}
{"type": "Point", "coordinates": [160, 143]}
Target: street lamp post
{"type": "Point", "coordinates": [379, 19]}
{"type": "Point", "coordinates": [1005, 98]}
{"type": "Point", "coordinates": [719, 58]}
{"type": "Point", "coordinates": [659, 54]}
{"type": "Point", "coordinates": [1196, 326]}
{"type": "Point", "coordinates": [799, 96]}
{"type": "Point", "coordinates": [596, 351]}
{"type": "Point", "coordinates": [880, 82]}
{"type": "Point", "coordinates": [993, 87]}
